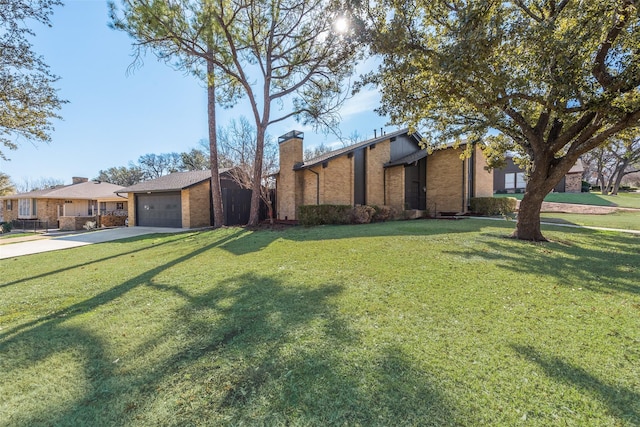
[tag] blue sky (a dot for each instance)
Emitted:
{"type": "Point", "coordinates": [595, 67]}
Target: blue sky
{"type": "Point", "coordinates": [113, 117]}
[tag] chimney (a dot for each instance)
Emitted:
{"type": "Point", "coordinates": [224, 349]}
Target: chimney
{"type": "Point", "coordinates": [78, 180]}
{"type": "Point", "coordinates": [288, 188]}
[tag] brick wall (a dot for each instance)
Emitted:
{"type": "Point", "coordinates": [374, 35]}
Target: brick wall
{"type": "Point", "coordinates": [131, 203]}
{"type": "Point", "coordinates": [71, 223]}
{"type": "Point", "coordinates": [573, 183]}
{"type": "Point", "coordinates": [376, 158]}
{"type": "Point", "coordinates": [196, 206]}
{"type": "Point", "coordinates": [112, 220]}
{"type": "Point", "coordinates": [395, 187]}
{"type": "Point", "coordinates": [48, 210]}
{"type": "Point", "coordinates": [483, 178]}
{"type": "Point", "coordinates": [288, 182]}
{"type": "Point", "coordinates": [310, 183]}
{"type": "Point", "coordinates": [10, 215]}
{"type": "Point", "coordinates": [445, 178]}
{"type": "Point", "coordinates": [336, 179]}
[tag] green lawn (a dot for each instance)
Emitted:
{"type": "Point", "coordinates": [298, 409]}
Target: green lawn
{"type": "Point", "coordinates": [430, 322]}
{"type": "Point", "coordinates": [17, 234]}
{"type": "Point", "coordinates": [623, 200]}
{"type": "Point", "coordinates": [619, 220]}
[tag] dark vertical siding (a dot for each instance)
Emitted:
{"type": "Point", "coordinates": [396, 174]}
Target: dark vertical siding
{"type": "Point", "coordinates": [415, 181]}
{"type": "Point", "coordinates": [403, 146]}
{"type": "Point", "coordinates": [359, 177]}
{"type": "Point", "coordinates": [237, 205]}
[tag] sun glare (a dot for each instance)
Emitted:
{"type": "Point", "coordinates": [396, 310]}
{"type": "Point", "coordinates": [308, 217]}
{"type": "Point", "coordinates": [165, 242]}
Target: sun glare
{"type": "Point", "coordinates": [341, 25]}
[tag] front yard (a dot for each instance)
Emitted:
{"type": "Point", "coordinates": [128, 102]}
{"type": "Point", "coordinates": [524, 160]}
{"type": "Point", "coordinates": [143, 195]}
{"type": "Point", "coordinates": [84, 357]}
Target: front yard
{"type": "Point", "coordinates": [622, 200]}
{"type": "Point", "coordinates": [429, 322]}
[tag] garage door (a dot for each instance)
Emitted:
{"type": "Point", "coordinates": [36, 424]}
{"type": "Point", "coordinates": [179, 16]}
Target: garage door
{"type": "Point", "coordinates": [159, 210]}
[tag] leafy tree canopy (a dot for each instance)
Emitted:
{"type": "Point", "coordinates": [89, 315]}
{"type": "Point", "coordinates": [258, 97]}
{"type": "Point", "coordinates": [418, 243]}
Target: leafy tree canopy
{"type": "Point", "coordinates": [28, 100]}
{"type": "Point", "coordinates": [6, 186]}
{"type": "Point", "coordinates": [555, 79]}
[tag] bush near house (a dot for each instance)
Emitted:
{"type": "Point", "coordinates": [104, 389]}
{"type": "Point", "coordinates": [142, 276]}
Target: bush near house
{"type": "Point", "coordinates": [5, 227]}
{"type": "Point", "coordinates": [493, 206]}
{"type": "Point", "coordinates": [362, 214]}
{"type": "Point", "coordinates": [383, 213]}
{"type": "Point", "coordinates": [310, 215]}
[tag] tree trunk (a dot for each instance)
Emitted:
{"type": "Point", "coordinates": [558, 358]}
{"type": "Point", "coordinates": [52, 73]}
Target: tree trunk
{"type": "Point", "coordinates": [216, 192]}
{"type": "Point", "coordinates": [256, 185]}
{"type": "Point", "coordinates": [619, 175]}
{"type": "Point", "coordinates": [603, 184]}
{"type": "Point", "coordinates": [528, 224]}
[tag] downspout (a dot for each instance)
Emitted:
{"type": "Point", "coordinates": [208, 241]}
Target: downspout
{"type": "Point", "coordinates": [464, 202]}
{"type": "Point", "coordinates": [317, 185]}
{"type": "Point", "coordinates": [471, 178]}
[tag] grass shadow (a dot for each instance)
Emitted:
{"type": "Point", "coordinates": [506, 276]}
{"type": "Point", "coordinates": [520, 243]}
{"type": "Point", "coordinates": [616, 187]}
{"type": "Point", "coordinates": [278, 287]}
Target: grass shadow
{"type": "Point", "coordinates": [110, 294]}
{"type": "Point", "coordinates": [623, 403]}
{"type": "Point", "coordinates": [253, 241]}
{"type": "Point", "coordinates": [255, 350]}
{"type": "Point", "coordinates": [598, 261]}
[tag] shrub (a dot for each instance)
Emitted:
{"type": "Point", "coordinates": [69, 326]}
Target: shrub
{"type": "Point", "coordinates": [5, 227]}
{"type": "Point", "coordinates": [362, 214]}
{"type": "Point", "coordinates": [493, 206]}
{"type": "Point", "coordinates": [310, 215]}
{"type": "Point", "coordinates": [383, 213]}
{"type": "Point", "coordinates": [586, 187]}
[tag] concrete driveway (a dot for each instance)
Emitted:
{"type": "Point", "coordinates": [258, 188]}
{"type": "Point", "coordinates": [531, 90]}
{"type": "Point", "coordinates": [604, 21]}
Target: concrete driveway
{"type": "Point", "coordinates": [54, 243]}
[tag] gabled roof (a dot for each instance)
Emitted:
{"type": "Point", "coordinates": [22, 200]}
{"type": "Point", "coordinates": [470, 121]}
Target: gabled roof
{"type": "Point", "coordinates": [577, 167]}
{"type": "Point", "coordinates": [406, 160]}
{"type": "Point", "coordinates": [172, 182]}
{"type": "Point", "coordinates": [91, 190]}
{"type": "Point", "coordinates": [346, 150]}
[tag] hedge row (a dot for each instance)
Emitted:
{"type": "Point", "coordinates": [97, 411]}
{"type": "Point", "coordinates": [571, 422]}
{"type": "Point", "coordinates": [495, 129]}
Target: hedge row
{"type": "Point", "coordinates": [310, 215]}
{"type": "Point", "coordinates": [493, 205]}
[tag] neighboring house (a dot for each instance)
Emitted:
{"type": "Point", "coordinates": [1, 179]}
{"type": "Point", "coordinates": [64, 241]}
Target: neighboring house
{"type": "Point", "coordinates": [391, 170]}
{"type": "Point", "coordinates": [68, 207]}
{"type": "Point", "coordinates": [183, 200]}
{"type": "Point", "coordinates": [511, 179]}
{"type": "Point", "coordinates": [572, 181]}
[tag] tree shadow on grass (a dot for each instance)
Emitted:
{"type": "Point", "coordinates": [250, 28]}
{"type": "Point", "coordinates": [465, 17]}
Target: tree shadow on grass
{"type": "Point", "coordinates": [598, 261]}
{"type": "Point", "coordinates": [249, 350]}
{"type": "Point", "coordinates": [110, 294]}
{"type": "Point", "coordinates": [623, 403]}
{"type": "Point", "coordinates": [253, 241]}
{"type": "Point", "coordinates": [86, 263]}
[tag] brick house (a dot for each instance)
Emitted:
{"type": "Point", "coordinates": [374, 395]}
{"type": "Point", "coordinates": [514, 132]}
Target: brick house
{"type": "Point", "coordinates": [391, 170]}
{"type": "Point", "coordinates": [183, 200]}
{"type": "Point", "coordinates": [511, 179]}
{"type": "Point", "coordinates": [68, 207]}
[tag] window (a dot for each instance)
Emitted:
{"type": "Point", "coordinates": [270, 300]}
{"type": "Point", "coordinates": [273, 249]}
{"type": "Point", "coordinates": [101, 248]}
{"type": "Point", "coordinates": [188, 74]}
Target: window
{"type": "Point", "coordinates": [27, 208]}
{"type": "Point", "coordinates": [514, 181]}
{"type": "Point", "coordinates": [9, 205]}
{"type": "Point", "coordinates": [509, 181]}
{"type": "Point", "coordinates": [120, 206]}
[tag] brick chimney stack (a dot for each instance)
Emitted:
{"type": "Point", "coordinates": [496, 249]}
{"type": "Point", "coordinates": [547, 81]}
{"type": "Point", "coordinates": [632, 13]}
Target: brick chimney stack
{"type": "Point", "coordinates": [78, 180]}
{"type": "Point", "coordinates": [289, 198]}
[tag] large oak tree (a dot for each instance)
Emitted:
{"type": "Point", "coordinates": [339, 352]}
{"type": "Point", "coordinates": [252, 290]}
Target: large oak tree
{"type": "Point", "coordinates": [28, 99]}
{"type": "Point", "coordinates": [552, 79]}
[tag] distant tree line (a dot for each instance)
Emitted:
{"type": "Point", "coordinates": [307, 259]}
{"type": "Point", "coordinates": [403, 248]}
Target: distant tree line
{"type": "Point", "coordinates": [236, 150]}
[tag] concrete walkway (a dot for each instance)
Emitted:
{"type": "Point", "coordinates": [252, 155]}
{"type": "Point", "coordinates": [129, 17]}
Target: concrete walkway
{"type": "Point", "coordinates": [53, 242]}
{"type": "Point", "coordinates": [619, 230]}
